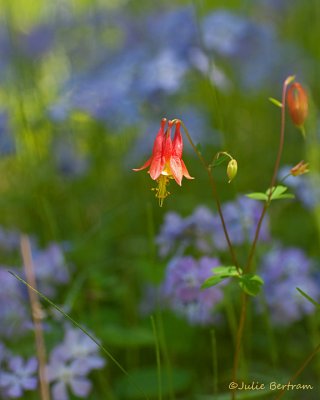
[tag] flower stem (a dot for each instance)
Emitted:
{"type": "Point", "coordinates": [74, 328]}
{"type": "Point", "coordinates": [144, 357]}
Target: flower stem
{"type": "Point", "coordinates": [256, 236]}
{"type": "Point", "coordinates": [215, 196]}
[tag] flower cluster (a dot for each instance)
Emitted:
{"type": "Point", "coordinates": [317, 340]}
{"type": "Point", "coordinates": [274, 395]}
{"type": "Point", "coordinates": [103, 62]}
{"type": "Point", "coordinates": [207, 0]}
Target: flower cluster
{"type": "Point", "coordinates": [283, 270]}
{"type": "Point", "coordinates": [203, 231]}
{"type": "Point", "coordinates": [16, 375]}
{"type": "Point", "coordinates": [181, 289]}
{"type": "Point", "coordinates": [70, 363]}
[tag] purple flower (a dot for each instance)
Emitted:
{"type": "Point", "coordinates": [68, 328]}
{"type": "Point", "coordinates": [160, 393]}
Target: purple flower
{"type": "Point", "coordinates": [50, 268]}
{"type": "Point", "coordinates": [70, 362]}
{"type": "Point", "coordinates": [283, 270]}
{"type": "Point", "coordinates": [14, 318]}
{"type": "Point", "coordinates": [182, 289]}
{"type": "Point", "coordinates": [241, 217]}
{"type": "Point", "coordinates": [18, 377]}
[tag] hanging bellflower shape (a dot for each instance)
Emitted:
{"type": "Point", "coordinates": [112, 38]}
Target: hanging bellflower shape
{"type": "Point", "coordinates": [166, 160]}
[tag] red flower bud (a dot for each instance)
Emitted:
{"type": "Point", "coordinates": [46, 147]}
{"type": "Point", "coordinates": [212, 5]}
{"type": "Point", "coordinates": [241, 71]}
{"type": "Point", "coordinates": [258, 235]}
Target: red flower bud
{"type": "Point", "coordinates": [297, 100]}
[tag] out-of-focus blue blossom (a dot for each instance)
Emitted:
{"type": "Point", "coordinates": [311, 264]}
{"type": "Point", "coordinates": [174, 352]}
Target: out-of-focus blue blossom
{"type": "Point", "coordinates": [306, 187]}
{"type": "Point", "coordinates": [203, 230]}
{"type": "Point", "coordinates": [283, 270]}
{"type": "Point", "coordinates": [241, 218]}
{"type": "Point", "coordinates": [50, 268]}
{"type": "Point", "coordinates": [70, 363]}
{"type": "Point", "coordinates": [253, 50]}
{"type": "Point", "coordinates": [18, 376]}
{"type": "Point", "coordinates": [14, 318]}
{"type": "Point", "coordinates": [38, 41]}
{"type": "Point", "coordinates": [69, 162]}
{"type": "Point", "coordinates": [182, 289]}
{"type": "Point", "coordinates": [175, 29]}
{"type": "Point", "coordinates": [9, 239]}
{"type": "Point", "coordinates": [6, 140]}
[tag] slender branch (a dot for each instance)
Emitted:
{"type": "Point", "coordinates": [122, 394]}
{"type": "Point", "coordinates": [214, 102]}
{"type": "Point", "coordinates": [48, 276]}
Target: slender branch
{"type": "Point", "coordinates": [36, 316]}
{"type": "Point", "coordinates": [256, 236]}
{"type": "Point", "coordinates": [302, 367]}
{"type": "Point", "coordinates": [275, 173]}
{"type": "Point", "coordinates": [215, 196]}
{"type": "Point", "coordinates": [242, 321]}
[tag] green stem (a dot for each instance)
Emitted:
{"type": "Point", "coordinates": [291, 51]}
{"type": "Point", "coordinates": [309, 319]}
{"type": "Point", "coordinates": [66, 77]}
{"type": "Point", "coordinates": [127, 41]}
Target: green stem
{"type": "Point", "coordinates": [103, 349]}
{"type": "Point", "coordinates": [156, 339]}
{"type": "Point", "coordinates": [256, 236]}
{"type": "Point", "coordinates": [215, 196]}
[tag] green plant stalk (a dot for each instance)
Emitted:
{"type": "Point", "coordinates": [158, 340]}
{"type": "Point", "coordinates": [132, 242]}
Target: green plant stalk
{"type": "Point", "coordinates": [75, 323]}
{"type": "Point", "coordinates": [156, 339]}
{"type": "Point", "coordinates": [256, 236]}
{"type": "Point", "coordinates": [215, 196]}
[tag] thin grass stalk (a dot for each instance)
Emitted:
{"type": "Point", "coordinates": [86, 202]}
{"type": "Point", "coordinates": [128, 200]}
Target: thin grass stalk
{"type": "Point", "coordinates": [36, 317]}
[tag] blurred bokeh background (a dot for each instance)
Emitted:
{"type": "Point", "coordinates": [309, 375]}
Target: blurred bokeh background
{"type": "Point", "coordinates": [83, 87]}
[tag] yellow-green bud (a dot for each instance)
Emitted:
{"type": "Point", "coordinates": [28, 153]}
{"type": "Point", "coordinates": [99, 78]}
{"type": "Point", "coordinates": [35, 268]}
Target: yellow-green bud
{"type": "Point", "coordinates": [232, 169]}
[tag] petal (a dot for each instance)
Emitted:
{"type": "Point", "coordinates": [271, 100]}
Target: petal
{"type": "Point", "coordinates": [158, 142]}
{"type": "Point", "coordinates": [185, 171]}
{"type": "Point", "coordinates": [176, 169]}
{"type": "Point", "coordinates": [14, 391]}
{"type": "Point", "coordinates": [31, 366]}
{"type": "Point", "coordinates": [156, 167]}
{"type": "Point", "coordinates": [59, 391]}
{"type": "Point", "coordinates": [145, 165]}
{"type": "Point", "coordinates": [177, 141]}
{"type": "Point", "coordinates": [80, 387]}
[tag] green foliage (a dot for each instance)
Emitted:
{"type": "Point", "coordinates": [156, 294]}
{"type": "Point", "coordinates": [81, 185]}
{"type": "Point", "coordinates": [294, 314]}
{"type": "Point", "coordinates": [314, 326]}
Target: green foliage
{"type": "Point", "coordinates": [278, 193]}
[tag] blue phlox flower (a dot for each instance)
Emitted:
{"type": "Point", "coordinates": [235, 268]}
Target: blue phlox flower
{"type": "Point", "coordinates": [182, 289]}
{"type": "Point", "coordinates": [19, 376]}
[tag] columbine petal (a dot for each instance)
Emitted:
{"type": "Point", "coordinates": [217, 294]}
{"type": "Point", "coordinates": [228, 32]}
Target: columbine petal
{"type": "Point", "coordinates": [177, 141]}
{"type": "Point", "coordinates": [145, 165]}
{"type": "Point", "coordinates": [156, 167]}
{"type": "Point", "coordinates": [185, 171]}
{"type": "Point", "coordinates": [176, 169]}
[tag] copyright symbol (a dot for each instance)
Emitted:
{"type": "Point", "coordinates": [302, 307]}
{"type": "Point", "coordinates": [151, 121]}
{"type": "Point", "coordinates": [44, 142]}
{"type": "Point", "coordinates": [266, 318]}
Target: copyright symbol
{"type": "Point", "coordinates": [233, 385]}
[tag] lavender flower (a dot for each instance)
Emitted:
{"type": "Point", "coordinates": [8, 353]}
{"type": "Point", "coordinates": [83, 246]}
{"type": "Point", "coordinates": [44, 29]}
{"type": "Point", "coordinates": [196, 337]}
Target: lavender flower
{"type": "Point", "coordinates": [18, 377]}
{"type": "Point", "coordinates": [241, 217]}
{"type": "Point", "coordinates": [182, 289]}
{"type": "Point", "coordinates": [50, 268]}
{"type": "Point", "coordinates": [283, 270]}
{"type": "Point", "coordinates": [14, 318]}
{"type": "Point", "coordinates": [70, 363]}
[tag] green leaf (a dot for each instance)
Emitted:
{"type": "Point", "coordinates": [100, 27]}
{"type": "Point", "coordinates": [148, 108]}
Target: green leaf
{"type": "Point", "coordinates": [257, 196]}
{"type": "Point", "coordinates": [226, 271]}
{"type": "Point", "coordinates": [251, 284]}
{"type": "Point", "coordinates": [220, 273]}
{"type": "Point", "coordinates": [315, 303]}
{"type": "Point", "coordinates": [278, 193]}
{"type": "Point", "coordinates": [275, 102]}
{"type": "Point", "coordinates": [212, 281]}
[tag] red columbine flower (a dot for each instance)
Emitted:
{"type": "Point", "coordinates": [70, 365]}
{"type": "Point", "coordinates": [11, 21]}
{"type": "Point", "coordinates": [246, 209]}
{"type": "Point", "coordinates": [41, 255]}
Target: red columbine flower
{"type": "Point", "coordinates": [166, 160]}
{"type": "Point", "coordinates": [297, 100]}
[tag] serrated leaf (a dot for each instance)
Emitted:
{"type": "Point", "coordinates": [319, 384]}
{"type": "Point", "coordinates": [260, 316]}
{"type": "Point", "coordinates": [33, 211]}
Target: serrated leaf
{"type": "Point", "coordinates": [275, 102]}
{"type": "Point", "coordinates": [212, 281]}
{"type": "Point", "coordinates": [257, 196]}
{"type": "Point", "coordinates": [251, 284]}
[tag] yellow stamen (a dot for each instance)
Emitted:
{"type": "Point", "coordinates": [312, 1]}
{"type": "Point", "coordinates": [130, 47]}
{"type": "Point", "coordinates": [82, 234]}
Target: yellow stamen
{"type": "Point", "coordinates": [161, 190]}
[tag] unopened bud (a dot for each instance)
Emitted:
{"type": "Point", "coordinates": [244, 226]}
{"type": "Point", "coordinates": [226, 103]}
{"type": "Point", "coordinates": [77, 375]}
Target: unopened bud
{"type": "Point", "coordinates": [297, 100]}
{"type": "Point", "coordinates": [232, 169]}
{"type": "Point", "coordinates": [300, 169]}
